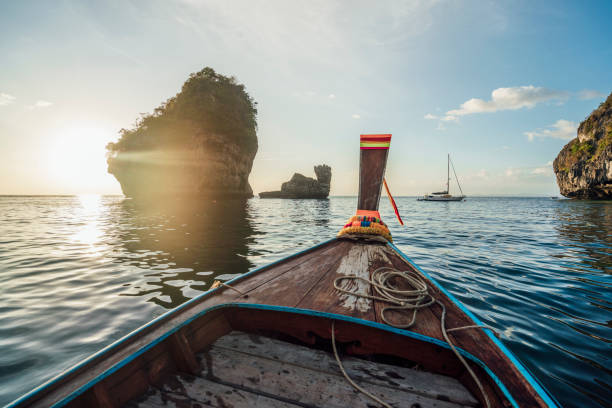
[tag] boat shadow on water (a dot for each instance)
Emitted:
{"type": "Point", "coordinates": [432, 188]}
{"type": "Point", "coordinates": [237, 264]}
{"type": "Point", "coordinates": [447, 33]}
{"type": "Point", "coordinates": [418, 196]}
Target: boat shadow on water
{"type": "Point", "coordinates": [182, 246]}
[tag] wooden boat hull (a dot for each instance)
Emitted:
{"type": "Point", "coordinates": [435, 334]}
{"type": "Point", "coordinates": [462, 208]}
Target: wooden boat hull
{"type": "Point", "coordinates": [295, 298]}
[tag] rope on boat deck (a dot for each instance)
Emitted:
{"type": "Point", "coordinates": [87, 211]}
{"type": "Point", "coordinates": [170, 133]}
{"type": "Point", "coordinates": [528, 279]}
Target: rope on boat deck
{"type": "Point", "coordinates": [353, 383]}
{"type": "Point", "coordinates": [218, 283]}
{"type": "Point", "coordinates": [412, 299]}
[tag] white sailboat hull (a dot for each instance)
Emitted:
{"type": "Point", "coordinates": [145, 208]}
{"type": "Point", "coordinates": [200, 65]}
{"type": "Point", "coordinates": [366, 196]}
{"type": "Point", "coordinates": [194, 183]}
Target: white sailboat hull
{"type": "Point", "coordinates": [441, 198]}
{"type": "Point", "coordinates": [444, 195]}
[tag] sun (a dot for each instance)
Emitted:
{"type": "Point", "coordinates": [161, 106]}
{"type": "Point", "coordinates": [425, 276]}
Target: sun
{"type": "Point", "coordinates": [76, 159]}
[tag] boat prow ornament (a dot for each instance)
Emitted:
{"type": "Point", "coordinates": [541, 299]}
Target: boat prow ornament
{"type": "Point", "coordinates": [367, 224]}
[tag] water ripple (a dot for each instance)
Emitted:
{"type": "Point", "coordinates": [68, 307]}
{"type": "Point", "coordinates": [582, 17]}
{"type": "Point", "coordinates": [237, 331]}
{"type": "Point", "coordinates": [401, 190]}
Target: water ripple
{"type": "Point", "coordinates": [77, 273]}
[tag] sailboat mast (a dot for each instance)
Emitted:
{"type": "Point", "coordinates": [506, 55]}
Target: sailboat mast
{"type": "Point", "coordinates": [448, 174]}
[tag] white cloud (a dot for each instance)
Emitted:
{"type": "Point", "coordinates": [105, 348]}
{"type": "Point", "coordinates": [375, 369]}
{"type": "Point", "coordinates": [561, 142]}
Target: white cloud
{"type": "Point", "coordinates": [544, 170]}
{"type": "Point", "coordinates": [528, 173]}
{"type": "Point", "coordinates": [355, 116]}
{"type": "Point", "coordinates": [561, 129]}
{"type": "Point", "coordinates": [441, 126]}
{"type": "Point", "coordinates": [6, 99]}
{"type": "Point", "coordinates": [331, 96]}
{"type": "Point", "coordinates": [590, 94]}
{"type": "Point", "coordinates": [482, 174]}
{"type": "Point", "coordinates": [507, 99]}
{"type": "Point", "coordinates": [181, 21]}
{"type": "Point", "coordinates": [540, 170]}
{"type": "Point", "coordinates": [316, 35]}
{"type": "Point", "coordinates": [40, 104]}
{"type": "Point", "coordinates": [429, 116]}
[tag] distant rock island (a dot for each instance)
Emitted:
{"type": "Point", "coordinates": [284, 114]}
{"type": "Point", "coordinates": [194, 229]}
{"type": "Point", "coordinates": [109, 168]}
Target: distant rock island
{"type": "Point", "coordinates": [200, 142]}
{"type": "Point", "coordinates": [584, 165]}
{"type": "Point", "coordinates": [304, 187]}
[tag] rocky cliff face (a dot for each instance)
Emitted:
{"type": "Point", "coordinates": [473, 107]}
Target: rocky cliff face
{"type": "Point", "coordinates": [304, 187]}
{"type": "Point", "coordinates": [206, 166]}
{"type": "Point", "coordinates": [584, 165]}
{"type": "Point", "coordinates": [200, 142]}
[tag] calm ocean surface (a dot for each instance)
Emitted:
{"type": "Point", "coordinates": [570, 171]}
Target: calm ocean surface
{"type": "Point", "coordinates": [77, 273]}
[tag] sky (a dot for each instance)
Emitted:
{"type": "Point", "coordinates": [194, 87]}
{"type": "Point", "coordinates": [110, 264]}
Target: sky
{"type": "Point", "coordinates": [501, 86]}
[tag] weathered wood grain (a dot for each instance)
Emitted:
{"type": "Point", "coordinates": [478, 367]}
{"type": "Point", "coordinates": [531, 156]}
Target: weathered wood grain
{"type": "Point", "coordinates": [290, 288]}
{"type": "Point", "coordinates": [183, 355]}
{"type": "Point", "coordinates": [372, 170]}
{"type": "Point", "coordinates": [264, 277]}
{"type": "Point", "coordinates": [401, 378]}
{"type": "Point", "coordinates": [325, 297]}
{"type": "Point", "coordinates": [189, 392]}
{"type": "Point", "coordinates": [300, 384]}
{"type": "Point", "coordinates": [101, 398]}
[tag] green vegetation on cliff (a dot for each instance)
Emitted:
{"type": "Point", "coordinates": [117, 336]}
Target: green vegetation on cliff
{"type": "Point", "coordinates": [597, 137]}
{"type": "Point", "coordinates": [583, 166]}
{"type": "Point", "coordinates": [208, 103]}
{"type": "Point", "coordinates": [591, 122]}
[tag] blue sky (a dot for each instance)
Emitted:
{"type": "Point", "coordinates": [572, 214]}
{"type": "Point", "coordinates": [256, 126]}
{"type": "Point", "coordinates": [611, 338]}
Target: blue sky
{"type": "Point", "coordinates": [499, 85]}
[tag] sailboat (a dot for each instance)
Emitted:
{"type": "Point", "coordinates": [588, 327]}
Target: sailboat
{"type": "Point", "coordinates": [445, 195]}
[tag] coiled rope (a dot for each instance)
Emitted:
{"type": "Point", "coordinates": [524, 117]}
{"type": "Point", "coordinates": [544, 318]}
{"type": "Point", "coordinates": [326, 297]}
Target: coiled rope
{"type": "Point", "coordinates": [414, 299]}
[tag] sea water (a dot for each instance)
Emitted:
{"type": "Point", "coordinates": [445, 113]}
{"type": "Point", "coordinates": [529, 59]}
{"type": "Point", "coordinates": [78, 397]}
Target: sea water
{"type": "Point", "coordinates": [79, 272]}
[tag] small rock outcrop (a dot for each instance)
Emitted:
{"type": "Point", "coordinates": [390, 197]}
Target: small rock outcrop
{"type": "Point", "coordinates": [201, 142]}
{"type": "Point", "coordinates": [584, 165]}
{"type": "Point", "coordinates": [301, 186]}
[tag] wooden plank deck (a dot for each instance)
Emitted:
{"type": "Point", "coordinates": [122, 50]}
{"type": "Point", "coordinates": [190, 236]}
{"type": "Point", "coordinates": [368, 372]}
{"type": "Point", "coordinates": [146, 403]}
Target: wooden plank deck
{"type": "Point", "coordinates": [304, 281]}
{"type": "Point", "coordinates": [242, 370]}
{"type": "Point", "coordinates": [348, 257]}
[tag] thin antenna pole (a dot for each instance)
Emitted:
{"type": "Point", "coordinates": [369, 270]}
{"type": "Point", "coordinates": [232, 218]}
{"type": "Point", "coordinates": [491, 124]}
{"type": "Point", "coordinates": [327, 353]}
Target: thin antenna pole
{"type": "Point", "coordinates": [455, 173]}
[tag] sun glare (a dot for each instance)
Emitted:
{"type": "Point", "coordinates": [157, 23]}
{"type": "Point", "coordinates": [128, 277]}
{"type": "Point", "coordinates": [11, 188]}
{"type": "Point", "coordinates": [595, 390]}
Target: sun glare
{"type": "Point", "coordinates": [89, 212]}
{"type": "Point", "coordinates": [76, 160]}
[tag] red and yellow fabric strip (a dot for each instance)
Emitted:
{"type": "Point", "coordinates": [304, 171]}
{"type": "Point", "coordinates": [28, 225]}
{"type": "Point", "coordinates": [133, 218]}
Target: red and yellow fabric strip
{"type": "Point", "coordinates": [368, 213]}
{"type": "Point", "coordinates": [375, 141]}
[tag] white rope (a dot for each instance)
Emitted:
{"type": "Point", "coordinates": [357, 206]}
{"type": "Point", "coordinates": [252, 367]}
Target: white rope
{"type": "Point", "coordinates": [217, 283]}
{"type": "Point", "coordinates": [411, 299]}
{"type": "Point", "coordinates": [358, 388]}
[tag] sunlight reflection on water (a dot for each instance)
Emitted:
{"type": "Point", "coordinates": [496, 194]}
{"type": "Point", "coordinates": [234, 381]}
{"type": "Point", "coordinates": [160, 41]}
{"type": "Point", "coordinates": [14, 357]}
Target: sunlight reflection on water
{"type": "Point", "coordinates": [77, 273]}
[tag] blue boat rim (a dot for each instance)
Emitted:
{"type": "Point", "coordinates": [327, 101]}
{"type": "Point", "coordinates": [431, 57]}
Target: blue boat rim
{"type": "Point", "coordinates": [548, 399]}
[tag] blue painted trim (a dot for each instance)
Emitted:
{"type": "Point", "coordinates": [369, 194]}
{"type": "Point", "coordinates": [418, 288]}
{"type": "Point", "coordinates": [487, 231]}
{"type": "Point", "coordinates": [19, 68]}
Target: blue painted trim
{"type": "Point", "coordinates": [168, 314]}
{"type": "Point", "coordinates": [139, 330]}
{"type": "Point", "coordinates": [391, 329]}
{"type": "Point", "coordinates": [542, 392]}
{"type": "Point", "coordinates": [285, 309]}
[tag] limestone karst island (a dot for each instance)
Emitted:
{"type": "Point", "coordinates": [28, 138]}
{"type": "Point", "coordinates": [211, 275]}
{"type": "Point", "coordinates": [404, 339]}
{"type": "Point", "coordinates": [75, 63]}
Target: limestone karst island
{"type": "Point", "coordinates": [301, 186]}
{"type": "Point", "coordinates": [201, 141]}
{"type": "Point", "coordinates": [584, 165]}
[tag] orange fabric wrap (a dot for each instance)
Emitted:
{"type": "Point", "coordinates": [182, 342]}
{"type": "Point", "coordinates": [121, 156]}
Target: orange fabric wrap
{"type": "Point", "coordinates": [368, 213]}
